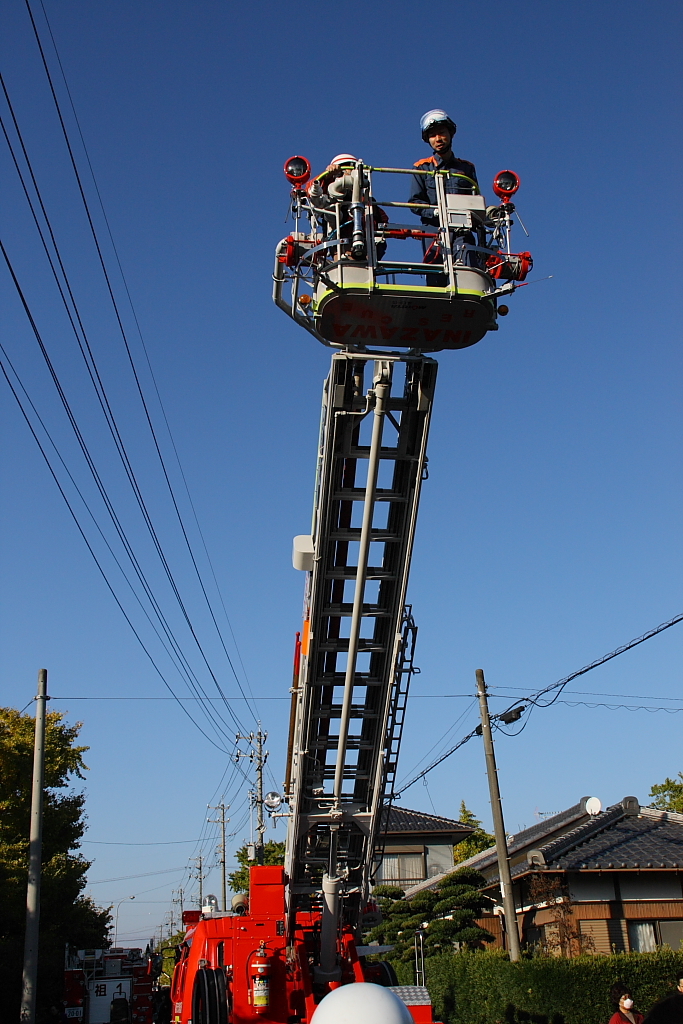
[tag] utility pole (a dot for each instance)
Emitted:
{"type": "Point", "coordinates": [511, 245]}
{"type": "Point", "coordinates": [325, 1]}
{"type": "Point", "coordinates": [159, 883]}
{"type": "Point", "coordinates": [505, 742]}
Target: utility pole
{"type": "Point", "coordinates": [498, 824]}
{"type": "Point", "coordinates": [221, 821]}
{"type": "Point", "coordinates": [199, 875]}
{"type": "Point", "coordinates": [28, 995]}
{"type": "Point", "coordinates": [258, 756]}
{"type": "Point", "coordinates": [180, 894]}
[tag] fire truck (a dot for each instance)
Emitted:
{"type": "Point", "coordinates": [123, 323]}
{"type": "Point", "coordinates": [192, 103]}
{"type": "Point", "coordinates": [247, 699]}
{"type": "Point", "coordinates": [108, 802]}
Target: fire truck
{"type": "Point", "coordinates": [293, 952]}
{"type": "Point", "coordinates": [103, 985]}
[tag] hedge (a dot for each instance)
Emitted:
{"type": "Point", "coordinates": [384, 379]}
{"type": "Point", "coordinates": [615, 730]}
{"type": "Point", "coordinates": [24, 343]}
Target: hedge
{"type": "Point", "coordinates": [486, 988]}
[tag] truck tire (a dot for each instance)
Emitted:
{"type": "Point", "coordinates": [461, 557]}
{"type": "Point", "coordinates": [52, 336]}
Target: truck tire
{"type": "Point", "coordinates": [209, 997]}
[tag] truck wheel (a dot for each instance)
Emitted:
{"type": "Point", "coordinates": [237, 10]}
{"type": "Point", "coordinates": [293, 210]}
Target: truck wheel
{"type": "Point", "coordinates": [209, 997]}
{"type": "Point", "coordinates": [204, 1003]}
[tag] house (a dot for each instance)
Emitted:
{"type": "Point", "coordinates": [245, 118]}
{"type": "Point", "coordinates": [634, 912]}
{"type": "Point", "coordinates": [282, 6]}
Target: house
{"type": "Point", "coordinates": [601, 882]}
{"type": "Point", "coordinates": [418, 846]}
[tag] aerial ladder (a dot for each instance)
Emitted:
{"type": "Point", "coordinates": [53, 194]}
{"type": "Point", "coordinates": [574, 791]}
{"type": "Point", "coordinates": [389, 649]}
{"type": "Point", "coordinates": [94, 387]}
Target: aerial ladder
{"type": "Point", "coordinates": [294, 948]}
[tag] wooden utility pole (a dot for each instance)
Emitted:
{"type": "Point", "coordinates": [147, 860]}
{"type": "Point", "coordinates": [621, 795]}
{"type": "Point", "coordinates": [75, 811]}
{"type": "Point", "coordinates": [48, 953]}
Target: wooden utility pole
{"type": "Point", "coordinates": [221, 821]}
{"type": "Point", "coordinates": [28, 995]}
{"type": "Point", "coordinates": [511, 932]}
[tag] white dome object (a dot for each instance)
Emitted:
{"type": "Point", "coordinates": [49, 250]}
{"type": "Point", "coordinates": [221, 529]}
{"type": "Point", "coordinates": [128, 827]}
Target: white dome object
{"type": "Point", "coordinates": [362, 1001]}
{"type": "Point", "coordinates": [593, 805]}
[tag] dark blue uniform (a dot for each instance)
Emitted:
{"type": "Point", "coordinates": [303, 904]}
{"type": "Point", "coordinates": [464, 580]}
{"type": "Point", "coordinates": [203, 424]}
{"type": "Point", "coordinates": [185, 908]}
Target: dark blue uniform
{"type": "Point", "coordinates": [462, 180]}
{"type": "Point", "coordinates": [423, 186]}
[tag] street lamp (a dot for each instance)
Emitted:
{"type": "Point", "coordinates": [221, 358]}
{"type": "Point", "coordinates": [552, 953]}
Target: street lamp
{"type": "Point", "coordinates": [116, 924]}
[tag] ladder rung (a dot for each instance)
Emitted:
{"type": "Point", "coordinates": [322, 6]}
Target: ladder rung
{"type": "Point", "coordinates": [344, 610]}
{"type": "Point", "coordinates": [335, 710]}
{"type": "Point", "coordinates": [358, 494]}
{"type": "Point", "coordinates": [342, 644]}
{"type": "Point", "coordinates": [338, 680]}
{"type": "Point", "coordinates": [348, 572]}
{"type": "Point", "coordinates": [354, 532]}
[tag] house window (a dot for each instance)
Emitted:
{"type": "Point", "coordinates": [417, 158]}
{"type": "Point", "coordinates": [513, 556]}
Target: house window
{"type": "Point", "coordinates": [401, 867]}
{"type": "Point", "coordinates": [671, 933]}
{"type": "Point", "coordinates": [642, 937]}
{"type": "Point", "coordinates": [646, 936]}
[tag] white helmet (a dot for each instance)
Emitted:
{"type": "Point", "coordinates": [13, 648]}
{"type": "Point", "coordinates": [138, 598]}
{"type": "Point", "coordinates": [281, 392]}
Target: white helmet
{"type": "Point", "coordinates": [429, 121]}
{"type": "Point", "coordinates": [344, 158]}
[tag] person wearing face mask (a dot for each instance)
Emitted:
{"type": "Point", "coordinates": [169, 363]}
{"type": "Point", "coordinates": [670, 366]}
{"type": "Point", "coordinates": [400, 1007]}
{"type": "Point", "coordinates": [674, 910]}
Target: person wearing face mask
{"type": "Point", "coordinates": [670, 1009]}
{"type": "Point", "coordinates": [620, 995]}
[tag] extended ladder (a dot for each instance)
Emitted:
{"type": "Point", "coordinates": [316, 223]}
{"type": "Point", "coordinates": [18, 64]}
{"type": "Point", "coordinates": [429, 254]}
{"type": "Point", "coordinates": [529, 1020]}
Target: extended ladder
{"type": "Point", "coordinates": [356, 652]}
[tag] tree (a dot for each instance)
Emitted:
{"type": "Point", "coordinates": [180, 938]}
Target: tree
{"type": "Point", "coordinates": [448, 913]}
{"type": "Point", "coordinates": [668, 795]}
{"type": "Point", "coordinates": [476, 842]}
{"type": "Point", "coordinates": [274, 853]}
{"type": "Point", "coordinates": [562, 933]}
{"type": "Point", "coordinates": [66, 915]}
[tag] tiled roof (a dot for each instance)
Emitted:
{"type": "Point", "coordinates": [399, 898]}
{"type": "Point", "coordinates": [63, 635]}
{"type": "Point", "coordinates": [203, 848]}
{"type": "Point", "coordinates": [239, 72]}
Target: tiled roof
{"type": "Point", "coordinates": [651, 839]}
{"type": "Point", "coordinates": [403, 820]}
{"type": "Point", "coordinates": [530, 836]}
{"type": "Point", "coordinates": [618, 838]}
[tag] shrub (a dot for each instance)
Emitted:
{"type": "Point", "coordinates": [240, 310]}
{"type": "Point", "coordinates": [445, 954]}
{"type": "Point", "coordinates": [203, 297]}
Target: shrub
{"type": "Point", "coordinates": [486, 988]}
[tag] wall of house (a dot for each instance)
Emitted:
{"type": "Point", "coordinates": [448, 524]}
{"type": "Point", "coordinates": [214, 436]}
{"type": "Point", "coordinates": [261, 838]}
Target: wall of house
{"type": "Point", "coordinates": [602, 925]}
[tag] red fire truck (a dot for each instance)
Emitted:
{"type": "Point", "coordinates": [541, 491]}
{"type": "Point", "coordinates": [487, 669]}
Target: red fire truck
{"type": "Point", "coordinates": [104, 985]}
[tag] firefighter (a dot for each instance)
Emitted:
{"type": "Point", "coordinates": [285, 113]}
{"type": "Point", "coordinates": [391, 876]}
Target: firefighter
{"type": "Point", "coordinates": [438, 130]}
{"type": "Point", "coordinates": [335, 185]}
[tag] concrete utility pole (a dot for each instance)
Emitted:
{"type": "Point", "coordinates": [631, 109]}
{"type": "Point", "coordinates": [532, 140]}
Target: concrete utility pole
{"type": "Point", "coordinates": [180, 894]}
{"type": "Point", "coordinates": [221, 821]}
{"type": "Point", "coordinates": [511, 931]}
{"type": "Point", "coordinates": [200, 878]}
{"type": "Point", "coordinates": [258, 756]}
{"type": "Point", "coordinates": [28, 995]}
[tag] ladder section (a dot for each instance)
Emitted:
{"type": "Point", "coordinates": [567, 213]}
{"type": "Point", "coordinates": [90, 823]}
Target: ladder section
{"type": "Point", "coordinates": [356, 652]}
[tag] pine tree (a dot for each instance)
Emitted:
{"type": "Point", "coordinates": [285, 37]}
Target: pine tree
{"type": "Point", "coordinates": [668, 795]}
{"type": "Point", "coordinates": [448, 913]}
{"type": "Point", "coordinates": [476, 842]}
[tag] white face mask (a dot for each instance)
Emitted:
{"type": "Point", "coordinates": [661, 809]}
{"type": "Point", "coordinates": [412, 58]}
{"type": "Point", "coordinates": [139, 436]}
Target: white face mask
{"type": "Point", "coordinates": [628, 1003]}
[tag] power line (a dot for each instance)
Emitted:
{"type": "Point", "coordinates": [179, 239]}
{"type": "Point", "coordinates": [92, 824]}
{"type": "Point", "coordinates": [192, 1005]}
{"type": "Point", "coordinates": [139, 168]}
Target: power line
{"type": "Point", "coordinates": [533, 699]}
{"type": "Point", "coordinates": [96, 560]}
{"type": "Point", "coordinates": [144, 874]}
{"type": "Point", "coordinates": [138, 385]}
{"type": "Point", "coordinates": [147, 359]}
{"type": "Point", "coordinates": [102, 842]}
{"type": "Point", "coordinates": [97, 384]}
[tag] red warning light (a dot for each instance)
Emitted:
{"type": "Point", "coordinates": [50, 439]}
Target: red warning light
{"type": "Point", "coordinates": [505, 184]}
{"type": "Point", "coordinates": [297, 170]}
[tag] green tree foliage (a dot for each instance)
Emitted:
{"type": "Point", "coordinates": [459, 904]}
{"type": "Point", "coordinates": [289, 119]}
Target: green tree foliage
{"type": "Point", "coordinates": [668, 795]}
{"type": "Point", "coordinates": [66, 915]}
{"type": "Point", "coordinates": [476, 842]}
{"type": "Point", "coordinates": [448, 912]}
{"type": "Point", "coordinates": [168, 947]}
{"type": "Point", "coordinates": [274, 853]}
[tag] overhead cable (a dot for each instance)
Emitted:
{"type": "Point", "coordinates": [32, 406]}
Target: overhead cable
{"type": "Point", "coordinates": [533, 699]}
{"type": "Point", "coordinates": [136, 377]}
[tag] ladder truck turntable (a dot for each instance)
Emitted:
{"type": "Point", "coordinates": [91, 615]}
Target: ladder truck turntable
{"type": "Point", "coordinates": [293, 950]}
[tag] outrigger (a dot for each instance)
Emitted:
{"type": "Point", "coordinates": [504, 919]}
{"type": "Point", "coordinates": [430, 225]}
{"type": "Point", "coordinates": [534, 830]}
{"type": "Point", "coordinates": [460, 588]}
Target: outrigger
{"type": "Point", "coordinates": [292, 951]}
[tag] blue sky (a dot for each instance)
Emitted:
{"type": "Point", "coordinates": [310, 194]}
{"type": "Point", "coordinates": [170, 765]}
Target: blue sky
{"type": "Point", "coordinates": [549, 531]}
